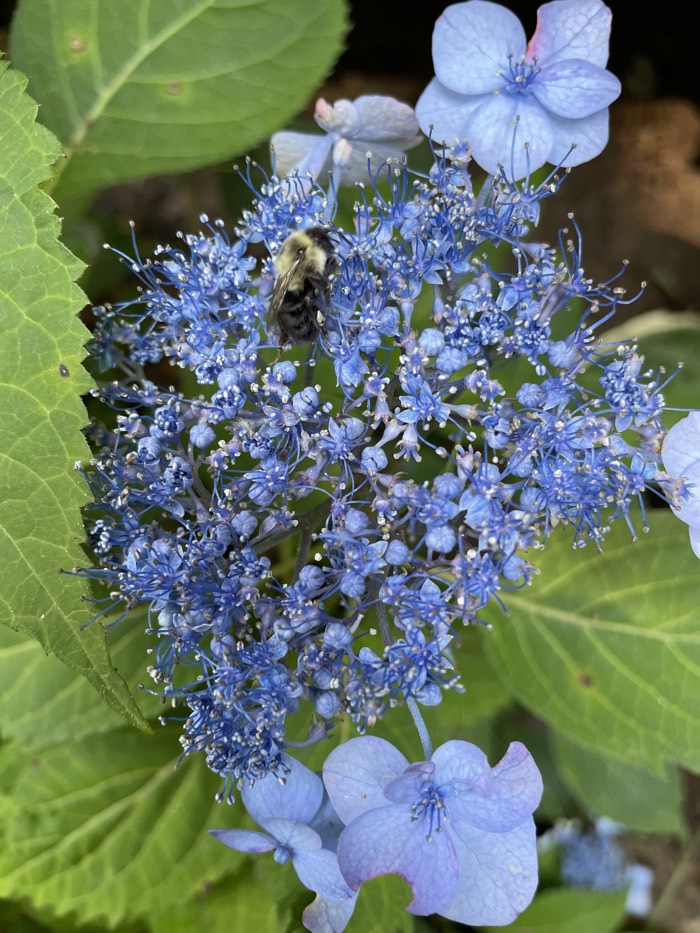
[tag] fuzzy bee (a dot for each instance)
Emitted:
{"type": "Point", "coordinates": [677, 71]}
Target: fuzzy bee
{"type": "Point", "coordinates": [302, 289]}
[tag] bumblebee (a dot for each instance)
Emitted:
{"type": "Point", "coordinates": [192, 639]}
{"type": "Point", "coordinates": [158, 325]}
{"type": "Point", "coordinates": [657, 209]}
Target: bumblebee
{"type": "Point", "coordinates": [302, 289]}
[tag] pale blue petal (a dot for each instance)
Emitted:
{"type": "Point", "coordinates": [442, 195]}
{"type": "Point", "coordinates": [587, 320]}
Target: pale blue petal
{"type": "Point", "coordinates": [497, 875]}
{"type": "Point", "coordinates": [244, 840]}
{"type": "Point", "coordinates": [323, 916]}
{"type": "Point", "coordinates": [471, 45]}
{"type": "Point", "coordinates": [680, 450]}
{"type": "Point", "coordinates": [680, 453]}
{"type": "Point", "coordinates": [293, 835]}
{"type": "Point", "coordinates": [305, 152]}
{"type": "Point", "coordinates": [407, 786]}
{"type": "Point", "coordinates": [444, 115]}
{"type": "Point", "coordinates": [464, 763]}
{"type": "Point", "coordinates": [356, 772]}
{"type": "Point", "coordinates": [327, 824]}
{"type": "Point", "coordinates": [510, 131]}
{"type": "Point", "coordinates": [319, 872]}
{"type": "Point", "coordinates": [695, 540]}
{"type": "Point", "coordinates": [589, 134]}
{"type": "Point", "coordinates": [575, 89]}
{"type": "Point", "coordinates": [297, 799]}
{"type": "Point", "coordinates": [515, 792]}
{"type": "Point", "coordinates": [384, 119]}
{"type": "Point", "coordinates": [356, 167]}
{"type": "Point", "coordinates": [387, 841]}
{"type": "Point", "coordinates": [574, 29]}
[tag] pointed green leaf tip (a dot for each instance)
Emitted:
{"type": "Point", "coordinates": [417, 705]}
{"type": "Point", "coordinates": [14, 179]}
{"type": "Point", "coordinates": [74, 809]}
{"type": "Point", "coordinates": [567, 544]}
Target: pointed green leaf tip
{"type": "Point", "coordinates": [41, 410]}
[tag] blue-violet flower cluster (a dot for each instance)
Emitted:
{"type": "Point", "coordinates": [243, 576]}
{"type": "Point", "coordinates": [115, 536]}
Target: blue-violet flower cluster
{"type": "Point", "coordinates": [282, 509]}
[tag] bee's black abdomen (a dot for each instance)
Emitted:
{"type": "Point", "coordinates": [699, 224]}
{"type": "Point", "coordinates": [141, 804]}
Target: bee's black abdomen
{"type": "Point", "coordinates": [303, 310]}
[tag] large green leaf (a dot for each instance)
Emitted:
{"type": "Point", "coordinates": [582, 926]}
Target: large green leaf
{"type": "Point", "coordinates": [565, 910]}
{"type": "Point", "coordinates": [606, 647]}
{"type": "Point", "coordinates": [145, 87]}
{"type": "Point", "coordinates": [241, 902]}
{"type": "Point", "coordinates": [43, 702]}
{"type": "Point", "coordinates": [107, 828]}
{"type": "Point", "coordinates": [40, 388]}
{"type": "Point", "coordinates": [641, 800]}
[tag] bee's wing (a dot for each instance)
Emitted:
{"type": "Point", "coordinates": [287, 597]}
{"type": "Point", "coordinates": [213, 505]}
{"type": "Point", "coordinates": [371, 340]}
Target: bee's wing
{"type": "Point", "coordinates": [281, 287]}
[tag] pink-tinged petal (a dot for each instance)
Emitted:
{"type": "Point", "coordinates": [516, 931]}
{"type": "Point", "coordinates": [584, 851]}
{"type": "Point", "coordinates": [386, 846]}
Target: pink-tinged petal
{"type": "Point", "coordinates": [498, 874]}
{"type": "Point", "coordinates": [512, 132]}
{"type": "Point", "coordinates": [571, 29]}
{"type": "Point", "coordinates": [244, 840]}
{"type": "Point", "coordinates": [589, 134]}
{"type": "Point", "coordinates": [297, 799]}
{"type": "Point", "coordinates": [387, 120]}
{"type": "Point", "coordinates": [318, 871]}
{"type": "Point", "coordinates": [323, 916]}
{"type": "Point", "coordinates": [293, 835]}
{"type": "Point", "coordinates": [387, 841]}
{"type": "Point", "coordinates": [444, 115]}
{"type": "Point", "coordinates": [575, 89]}
{"type": "Point", "coordinates": [338, 119]}
{"type": "Point", "coordinates": [471, 45]}
{"type": "Point", "coordinates": [356, 772]}
{"type": "Point", "coordinates": [305, 152]}
{"type": "Point", "coordinates": [516, 792]}
{"type": "Point", "coordinates": [680, 450]}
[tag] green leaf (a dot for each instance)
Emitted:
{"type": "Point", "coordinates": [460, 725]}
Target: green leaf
{"type": "Point", "coordinates": [382, 906]}
{"type": "Point", "coordinates": [606, 648]}
{"type": "Point", "coordinates": [43, 702]}
{"type": "Point", "coordinates": [135, 88]}
{"type": "Point", "coordinates": [40, 431]}
{"type": "Point", "coordinates": [240, 902]}
{"type": "Point", "coordinates": [641, 800]}
{"type": "Point", "coordinates": [564, 910]}
{"type": "Point", "coordinates": [108, 829]}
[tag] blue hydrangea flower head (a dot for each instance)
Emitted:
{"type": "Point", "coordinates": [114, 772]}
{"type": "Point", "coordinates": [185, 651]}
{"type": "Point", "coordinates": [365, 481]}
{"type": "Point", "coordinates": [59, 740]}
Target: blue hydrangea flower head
{"type": "Point", "coordinates": [371, 124]}
{"type": "Point", "coordinates": [681, 457]}
{"type": "Point", "coordinates": [458, 831]}
{"type": "Point", "coordinates": [296, 819]}
{"type": "Point", "coordinates": [517, 104]}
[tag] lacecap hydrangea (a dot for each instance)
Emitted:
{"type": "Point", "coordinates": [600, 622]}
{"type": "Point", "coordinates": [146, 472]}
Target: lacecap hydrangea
{"type": "Point", "coordinates": [310, 526]}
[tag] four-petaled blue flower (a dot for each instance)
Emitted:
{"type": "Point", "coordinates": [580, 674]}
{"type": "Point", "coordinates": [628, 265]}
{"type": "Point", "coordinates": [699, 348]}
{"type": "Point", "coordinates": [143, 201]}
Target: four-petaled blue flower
{"type": "Point", "coordinates": [372, 124]}
{"type": "Point", "coordinates": [296, 819]}
{"type": "Point", "coordinates": [520, 105]}
{"type": "Point", "coordinates": [458, 831]}
{"type": "Point", "coordinates": [681, 456]}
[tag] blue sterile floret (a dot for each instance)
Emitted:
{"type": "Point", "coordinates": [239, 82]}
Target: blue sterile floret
{"type": "Point", "coordinates": [681, 460]}
{"type": "Point", "coordinates": [458, 831]}
{"type": "Point", "coordinates": [518, 104]}
{"type": "Point", "coordinates": [299, 826]}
